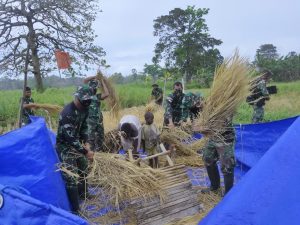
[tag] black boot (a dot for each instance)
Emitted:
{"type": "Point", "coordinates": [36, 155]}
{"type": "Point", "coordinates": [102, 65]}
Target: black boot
{"type": "Point", "coordinates": [228, 181]}
{"type": "Point", "coordinates": [74, 199]}
{"type": "Point", "coordinates": [214, 177]}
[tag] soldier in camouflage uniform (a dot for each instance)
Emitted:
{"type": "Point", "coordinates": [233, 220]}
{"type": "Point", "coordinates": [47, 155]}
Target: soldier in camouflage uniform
{"type": "Point", "coordinates": [72, 131]}
{"type": "Point", "coordinates": [27, 107]}
{"type": "Point", "coordinates": [262, 96]}
{"type": "Point", "coordinates": [95, 117]}
{"type": "Point", "coordinates": [157, 94]}
{"type": "Point", "coordinates": [220, 148]}
{"type": "Point", "coordinates": [173, 113]}
{"type": "Point", "coordinates": [191, 106]}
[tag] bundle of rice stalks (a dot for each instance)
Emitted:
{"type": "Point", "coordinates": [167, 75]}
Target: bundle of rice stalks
{"type": "Point", "coordinates": [198, 144]}
{"type": "Point", "coordinates": [194, 161]}
{"type": "Point", "coordinates": [152, 107]}
{"type": "Point", "coordinates": [52, 109]}
{"type": "Point", "coordinates": [229, 90]}
{"type": "Point", "coordinates": [172, 137]}
{"type": "Point", "coordinates": [112, 141]}
{"type": "Point", "coordinates": [122, 180]}
{"type": "Point", "coordinates": [113, 99]}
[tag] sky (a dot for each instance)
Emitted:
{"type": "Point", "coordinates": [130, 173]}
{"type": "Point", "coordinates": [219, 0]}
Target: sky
{"type": "Point", "coordinates": [125, 27]}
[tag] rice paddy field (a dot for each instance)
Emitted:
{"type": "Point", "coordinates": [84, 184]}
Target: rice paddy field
{"type": "Point", "coordinates": [134, 97]}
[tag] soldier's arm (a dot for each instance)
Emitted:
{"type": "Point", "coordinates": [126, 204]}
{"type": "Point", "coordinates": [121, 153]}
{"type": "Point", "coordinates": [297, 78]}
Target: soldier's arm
{"type": "Point", "coordinates": [68, 132]}
{"type": "Point", "coordinates": [86, 80]}
{"type": "Point", "coordinates": [105, 92]}
{"type": "Point", "coordinates": [263, 89]}
{"type": "Point", "coordinates": [84, 135]}
{"type": "Point", "coordinates": [169, 110]}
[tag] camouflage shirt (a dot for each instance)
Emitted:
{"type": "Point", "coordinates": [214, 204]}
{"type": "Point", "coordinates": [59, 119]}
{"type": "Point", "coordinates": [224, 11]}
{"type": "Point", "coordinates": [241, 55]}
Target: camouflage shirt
{"type": "Point", "coordinates": [27, 112]}
{"type": "Point", "coordinates": [157, 93]}
{"type": "Point", "coordinates": [188, 106]}
{"type": "Point", "coordinates": [94, 108]}
{"type": "Point", "coordinates": [174, 107]}
{"type": "Point", "coordinates": [72, 129]}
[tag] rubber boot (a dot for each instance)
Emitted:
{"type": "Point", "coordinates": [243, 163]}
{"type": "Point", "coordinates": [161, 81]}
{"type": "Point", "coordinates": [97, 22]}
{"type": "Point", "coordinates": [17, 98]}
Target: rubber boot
{"type": "Point", "coordinates": [74, 199]}
{"type": "Point", "coordinates": [214, 177]}
{"type": "Point", "coordinates": [228, 182]}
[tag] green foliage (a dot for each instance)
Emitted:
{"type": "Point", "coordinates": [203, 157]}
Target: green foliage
{"type": "Point", "coordinates": [184, 41]}
{"type": "Point", "coordinates": [285, 103]}
{"type": "Point", "coordinates": [285, 68]}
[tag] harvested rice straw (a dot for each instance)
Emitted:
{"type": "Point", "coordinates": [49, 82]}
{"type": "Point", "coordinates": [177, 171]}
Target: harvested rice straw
{"type": "Point", "coordinates": [198, 144]}
{"type": "Point", "coordinates": [112, 141]}
{"type": "Point", "coordinates": [152, 107]}
{"type": "Point", "coordinates": [52, 109]}
{"type": "Point", "coordinates": [194, 161]}
{"type": "Point", "coordinates": [113, 99]}
{"type": "Point", "coordinates": [122, 180]}
{"type": "Point", "coordinates": [181, 148]}
{"type": "Point", "coordinates": [229, 90]}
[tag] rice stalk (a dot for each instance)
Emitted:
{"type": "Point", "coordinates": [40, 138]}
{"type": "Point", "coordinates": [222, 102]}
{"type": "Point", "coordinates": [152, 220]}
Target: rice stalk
{"type": "Point", "coordinates": [52, 109]}
{"type": "Point", "coordinates": [229, 90]}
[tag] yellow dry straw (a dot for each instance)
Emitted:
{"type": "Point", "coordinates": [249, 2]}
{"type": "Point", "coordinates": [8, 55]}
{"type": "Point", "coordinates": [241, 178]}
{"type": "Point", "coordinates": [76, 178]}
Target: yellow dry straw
{"type": "Point", "coordinates": [172, 136]}
{"type": "Point", "coordinates": [229, 90]}
{"type": "Point", "coordinates": [123, 180]}
{"type": "Point", "coordinates": [52, 109]}
{"type": "Point", "coordinates": [112, 141]}
{"type": "Point", "coordinates": [113, 99]}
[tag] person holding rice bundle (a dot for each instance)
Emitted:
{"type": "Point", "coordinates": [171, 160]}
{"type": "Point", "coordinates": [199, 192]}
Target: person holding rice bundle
{"type": "Point", "coordinates": [95, 117]}
{"type": "Point", "coordinates": [71, 133]}
{"type": "Point", "coordinates": [157, 94]}
{"type": "Point", "coordinates": [222, 149]}
{"type": "Point", "coordinates": [150, 138]}
{"type": "Point", "coordinates": [191, 106]}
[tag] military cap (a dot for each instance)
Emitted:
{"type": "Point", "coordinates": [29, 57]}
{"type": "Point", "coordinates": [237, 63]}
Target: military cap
{"type": "Point", "coordinates": [84, 92]}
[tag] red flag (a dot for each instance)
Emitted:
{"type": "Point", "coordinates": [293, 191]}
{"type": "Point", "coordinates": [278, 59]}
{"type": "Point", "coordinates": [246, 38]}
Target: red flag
{"type": "Point", "coordinates": [63, 59]}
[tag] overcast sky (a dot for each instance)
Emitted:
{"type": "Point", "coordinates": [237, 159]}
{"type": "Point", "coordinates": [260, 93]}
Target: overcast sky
{"type": "Point", "coordinates": [125, 27]}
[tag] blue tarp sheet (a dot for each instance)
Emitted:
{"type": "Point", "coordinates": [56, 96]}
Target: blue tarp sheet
{"type": "Point", "coordinates": [28, 160]}
{"type": "Point", "coordinates": [269, 193]}
{"type": "Point", "coordinates": [19, 208]}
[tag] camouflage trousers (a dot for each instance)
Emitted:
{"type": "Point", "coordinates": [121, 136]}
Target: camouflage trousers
{"type": "Point", "coordinates": [214, 151]}
{"type": "Point", "coordinates": [258, 114]}
{"type": "Point", "coordinates": [76, 163]}
{"type": "Point", "coordinates": [95, 134]}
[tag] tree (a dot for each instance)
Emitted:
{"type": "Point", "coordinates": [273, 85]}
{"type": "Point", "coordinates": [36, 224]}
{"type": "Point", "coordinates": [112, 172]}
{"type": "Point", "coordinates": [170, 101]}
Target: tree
{"type": "Point", "coordinates": [154, 70]}
{"type": "Point", "coordinates": [43, 26]}
{"type": "Point", "coordinates": [184, 41]}
{"type": "Point", "coordinates": [266, 56]}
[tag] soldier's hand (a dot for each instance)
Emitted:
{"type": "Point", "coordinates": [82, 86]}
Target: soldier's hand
{"type": "Point", "coordinates": [90, 155]}
{"type": "Point", "coordinates": [171, 125]}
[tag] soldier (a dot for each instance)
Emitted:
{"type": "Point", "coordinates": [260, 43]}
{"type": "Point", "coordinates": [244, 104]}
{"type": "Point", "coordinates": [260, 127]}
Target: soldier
{"type": "Point", "coordinates": [191, 106]}
{"type": "Point", "coordinates": [157, 94]}
{"type": "Point", "coordinates": [262, 95]}
{"type": "Point", "coordinates": [72, 131]}
{"type": "Point", "coordinates": [173, 113]}
{"type": "Point", "coordinates": [28, 106]}
{"type": "Point", "coordinates": [95, 117]}
{"type": "Point", "coordinates": [220, 148]}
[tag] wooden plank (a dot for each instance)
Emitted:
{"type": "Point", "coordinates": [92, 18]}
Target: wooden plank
{"type": "Point", "coordinates": [185, 206]}
{"type": "Point", "coordinates": [169, 201]}
{"type": "Point", "coordinates": [172, 167]}
{"type": "Point", "coordinates": [162, 209]}
{"type": "Point", "coordinates": [130, 155]}
{"type": "Point", "coordinates": [179, 215]}
{"type": "Point", "coordinates": [163, 149]}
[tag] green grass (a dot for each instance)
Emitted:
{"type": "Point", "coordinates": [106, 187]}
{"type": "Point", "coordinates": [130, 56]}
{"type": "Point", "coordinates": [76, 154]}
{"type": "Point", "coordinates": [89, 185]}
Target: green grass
{"type": "Point", "coordinates": [284, 104]}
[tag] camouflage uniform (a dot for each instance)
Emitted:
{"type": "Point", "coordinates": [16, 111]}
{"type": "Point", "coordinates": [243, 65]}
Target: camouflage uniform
{"type": "Point", "coordinates": [95, 124]}
{"type": "Point", "coordinates": [258, 107]}
{"type": "Point", "coordinates": [174, 108]}
{"type": "Point", "coordinates": [189, 109]}
{"type": "Point", "coordinates": [223, 150]}
{"type": "Point", "coordinates": [156, 94]}
{"type": "Point", "coordinates": [72, 131]}
{"type": "Point", "coordinates": [27, 112]}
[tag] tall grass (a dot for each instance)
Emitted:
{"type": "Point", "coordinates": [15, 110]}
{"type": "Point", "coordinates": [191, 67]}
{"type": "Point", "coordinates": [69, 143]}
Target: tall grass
{"type": "Point", "coordinates": [285, 103]}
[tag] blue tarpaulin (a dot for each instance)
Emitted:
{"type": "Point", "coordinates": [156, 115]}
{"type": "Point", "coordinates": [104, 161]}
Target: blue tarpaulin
{"type": "Point", "coordinates": [269, 193]}
{"type": "Point", "coordinates": [28, 160]}
{"type": "Point", "coordinates": [19, 209]}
